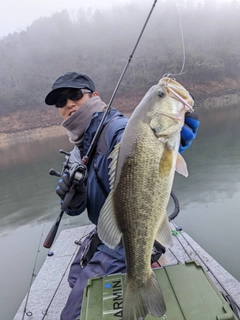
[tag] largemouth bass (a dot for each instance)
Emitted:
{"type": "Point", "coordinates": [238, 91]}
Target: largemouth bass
{"type": "Point", "coordinates": [141, 177]}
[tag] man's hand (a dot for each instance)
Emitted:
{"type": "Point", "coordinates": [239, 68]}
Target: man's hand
{"type": "Point", "coordinates": [63, 187]}
{"type": "Point", "coordinates": [189, 131]}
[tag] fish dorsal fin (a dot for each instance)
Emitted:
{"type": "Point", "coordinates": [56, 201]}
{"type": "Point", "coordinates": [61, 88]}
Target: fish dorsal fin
{"type": "Point", "coordinates": [164, 234]}
{"type": "Point", "coordinates": [107, 227]}
{"type": "Point", "coordinates": [113, 164]}
{"type": "Point", "coordinates": [181, 166]}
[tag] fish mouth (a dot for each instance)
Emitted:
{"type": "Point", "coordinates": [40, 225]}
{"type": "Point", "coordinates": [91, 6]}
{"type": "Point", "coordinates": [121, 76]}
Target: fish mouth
{"type": "Point", "coordinates": [178, 92]}
{"type": "Point", "coordinates": [184, 101]}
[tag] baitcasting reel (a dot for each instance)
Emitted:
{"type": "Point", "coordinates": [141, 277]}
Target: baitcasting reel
{"type": "Point", "coordinates": [76, 170]}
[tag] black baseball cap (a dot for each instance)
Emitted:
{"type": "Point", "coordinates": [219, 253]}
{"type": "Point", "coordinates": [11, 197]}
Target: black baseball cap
{"type": "Point", "coordinates": [69, 80]}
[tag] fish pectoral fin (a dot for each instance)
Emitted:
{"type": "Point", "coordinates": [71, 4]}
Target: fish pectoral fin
{"type": "Point", "coordinates": [107, 228]}
{"type": "Point", "coordinates": [164, 234]}
{"type": "Point", "coordinates": [181, 166]}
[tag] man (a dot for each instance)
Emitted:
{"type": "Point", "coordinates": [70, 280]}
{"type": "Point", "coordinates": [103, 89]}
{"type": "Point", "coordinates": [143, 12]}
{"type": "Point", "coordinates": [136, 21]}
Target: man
{"type": "Point", "coordinates": [82, 110]}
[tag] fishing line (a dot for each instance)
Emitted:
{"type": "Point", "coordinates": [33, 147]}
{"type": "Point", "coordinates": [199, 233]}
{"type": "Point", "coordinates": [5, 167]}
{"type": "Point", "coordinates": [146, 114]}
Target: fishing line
{"type": "Point", "coordinates": [55, 292]}
{"type": "Point", "coordinates": [206, 266]}
{"type": "Point", "coordinates": [183, 46]}
{"type": "Point", "coordinates": [178, 261]}
{"type": "Point", "coordinates": [25, 311]}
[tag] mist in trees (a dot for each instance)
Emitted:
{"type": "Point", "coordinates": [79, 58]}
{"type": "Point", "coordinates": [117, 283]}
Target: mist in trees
{"type": "Point", "coordinates": [99, 43]}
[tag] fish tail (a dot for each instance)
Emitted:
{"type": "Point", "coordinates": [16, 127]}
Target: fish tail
{"type": "Point", "coordinates": [144, 300]}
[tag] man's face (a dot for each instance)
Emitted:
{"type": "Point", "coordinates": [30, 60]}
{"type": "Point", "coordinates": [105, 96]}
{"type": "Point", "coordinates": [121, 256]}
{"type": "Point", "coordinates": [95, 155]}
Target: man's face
{"type": "Point", "coordinates": [72, 106]}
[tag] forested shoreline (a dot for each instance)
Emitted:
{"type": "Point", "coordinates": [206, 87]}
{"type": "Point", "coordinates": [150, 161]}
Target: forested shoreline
{"type": "Point", "coordinates": [99, 43]}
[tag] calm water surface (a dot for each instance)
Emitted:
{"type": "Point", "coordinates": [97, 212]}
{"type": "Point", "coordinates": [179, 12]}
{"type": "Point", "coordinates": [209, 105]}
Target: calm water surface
{"type": "Point", "coordinates": [209, 200]}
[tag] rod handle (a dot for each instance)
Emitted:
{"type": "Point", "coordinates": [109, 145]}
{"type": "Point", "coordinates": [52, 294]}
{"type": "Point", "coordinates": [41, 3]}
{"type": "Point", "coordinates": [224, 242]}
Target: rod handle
{"type": "Point", "coordinates": [52, 233]}
{"type": "Point", "coordinates": [68, 197]}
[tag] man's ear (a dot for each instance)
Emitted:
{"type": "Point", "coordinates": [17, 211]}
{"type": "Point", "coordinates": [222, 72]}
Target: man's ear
{"type": "Point", "coordinates": [95, 94]}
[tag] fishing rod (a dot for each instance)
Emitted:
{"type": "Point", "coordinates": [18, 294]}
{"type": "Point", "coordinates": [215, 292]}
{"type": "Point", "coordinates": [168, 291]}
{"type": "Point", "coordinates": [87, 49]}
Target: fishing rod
{"type": "Point", "coordinates": [78, 174]}
{"type": "Point", "coordinates": [176, 207]}
{"type": "Point", "coordinates": [25, 311]}
{"type": "Point", "coordinates": [45, 312]}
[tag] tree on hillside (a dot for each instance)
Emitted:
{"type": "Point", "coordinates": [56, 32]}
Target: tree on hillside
{"type": "Point", "coordinates": [100, 42]}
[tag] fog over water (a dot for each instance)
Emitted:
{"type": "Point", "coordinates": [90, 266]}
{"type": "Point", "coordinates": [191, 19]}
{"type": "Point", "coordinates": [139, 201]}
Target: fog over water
{"type": "Point", "coordinates": [209, 200]}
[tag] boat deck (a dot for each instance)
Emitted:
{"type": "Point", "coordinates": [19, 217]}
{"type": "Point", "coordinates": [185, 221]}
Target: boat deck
{"type": "Point", "coordinates": [50, 289]}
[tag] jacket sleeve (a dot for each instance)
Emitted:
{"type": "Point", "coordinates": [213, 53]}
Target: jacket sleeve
{"type": "Point", "coordinates": [113, 136]}
{"type": "Point", "coordinates": [115, 132]}
{"type": "Point", "coordinates": [78, 210]}
{"type": "Point", "coordinates": [73, 159]}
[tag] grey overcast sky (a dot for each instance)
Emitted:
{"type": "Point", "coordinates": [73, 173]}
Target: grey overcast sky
{"type": "Point", "coordinates": [16, 15]}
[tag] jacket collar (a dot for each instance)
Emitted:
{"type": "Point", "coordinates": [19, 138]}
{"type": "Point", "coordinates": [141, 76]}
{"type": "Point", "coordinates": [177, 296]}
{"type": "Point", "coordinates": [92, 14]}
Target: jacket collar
{"type": "Point", "coordinates": [93, 126]}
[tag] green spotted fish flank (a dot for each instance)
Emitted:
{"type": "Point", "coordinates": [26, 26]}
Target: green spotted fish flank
{"type": "Point", "coordinates": [141, 177]}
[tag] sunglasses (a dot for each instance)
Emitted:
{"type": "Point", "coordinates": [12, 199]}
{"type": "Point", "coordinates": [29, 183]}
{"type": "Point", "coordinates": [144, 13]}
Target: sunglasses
{"type": "Point", "coordinates": [72, 94]}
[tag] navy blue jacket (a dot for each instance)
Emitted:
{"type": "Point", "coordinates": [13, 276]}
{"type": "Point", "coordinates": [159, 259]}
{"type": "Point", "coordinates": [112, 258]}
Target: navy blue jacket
{"type": "Point", "coordinates": [98, 178]}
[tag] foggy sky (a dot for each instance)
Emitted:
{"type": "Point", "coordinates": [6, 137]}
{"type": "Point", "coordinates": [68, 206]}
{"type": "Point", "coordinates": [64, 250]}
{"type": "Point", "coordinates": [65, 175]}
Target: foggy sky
{"type": "Point", "coordinates": [16, 15]}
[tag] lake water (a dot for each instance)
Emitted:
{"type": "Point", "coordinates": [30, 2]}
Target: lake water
{"type": "Point", "coordinates": [209, 200]}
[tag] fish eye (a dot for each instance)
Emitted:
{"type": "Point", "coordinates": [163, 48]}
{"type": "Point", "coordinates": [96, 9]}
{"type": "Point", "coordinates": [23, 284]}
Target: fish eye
{"type": "Point", "coordinates": [160, 93]}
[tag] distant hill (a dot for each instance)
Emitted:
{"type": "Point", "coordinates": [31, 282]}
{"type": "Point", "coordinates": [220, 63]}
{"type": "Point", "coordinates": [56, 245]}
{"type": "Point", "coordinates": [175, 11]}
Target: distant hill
{"type": "Point", "coordinates": [99, 43]}
{"type": "Point", "coordinates": [47, 116]}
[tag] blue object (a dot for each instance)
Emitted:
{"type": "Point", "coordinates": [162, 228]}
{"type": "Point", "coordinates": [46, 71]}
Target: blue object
{"type": "Point", "coordinates": [189, 131]}
{"type": "Point", "coordinates": [178, 228]}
